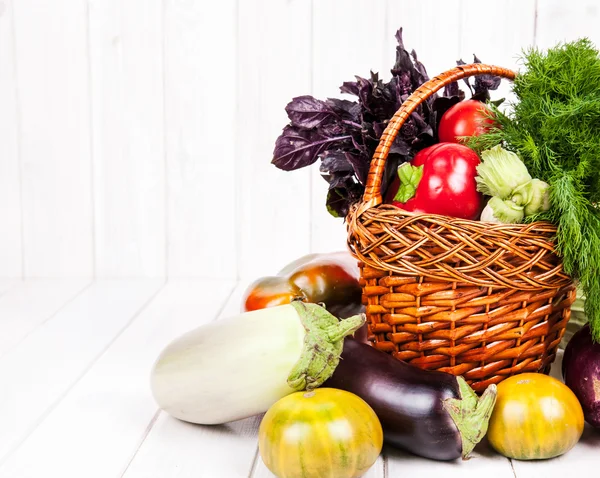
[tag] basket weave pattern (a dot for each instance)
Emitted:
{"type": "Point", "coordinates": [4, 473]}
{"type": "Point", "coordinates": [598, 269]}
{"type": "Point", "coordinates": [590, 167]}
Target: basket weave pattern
{"type": "Point", "coordinates": [471, 298]}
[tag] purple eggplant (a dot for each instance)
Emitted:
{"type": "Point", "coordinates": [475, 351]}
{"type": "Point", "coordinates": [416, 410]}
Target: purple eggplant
{"type": "Point", "coordinates": [581, 373]}
{"type": "Point", "coordinates": [432, 414]}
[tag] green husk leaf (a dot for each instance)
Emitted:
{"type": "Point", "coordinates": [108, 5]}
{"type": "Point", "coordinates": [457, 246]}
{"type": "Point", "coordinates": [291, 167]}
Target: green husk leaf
{"type": "Point", "coordinates": [538, 197]}
{"type": "Point", "coordinates": [471, 414]}
{"type": "Point", "coordinates": [500, 172]}
{"type": "Point", "coordinates": [506, 211]}
{"type": "Point", "coordinates": [323, 344]}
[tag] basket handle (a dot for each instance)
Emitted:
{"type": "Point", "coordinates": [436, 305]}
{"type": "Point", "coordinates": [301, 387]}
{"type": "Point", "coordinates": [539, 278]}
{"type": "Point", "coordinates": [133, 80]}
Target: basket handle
{"type": "Point", "coordinates": [372, 194]}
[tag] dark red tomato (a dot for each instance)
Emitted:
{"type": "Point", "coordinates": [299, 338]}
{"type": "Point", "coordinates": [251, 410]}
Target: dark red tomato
{"type": "Point", "coordinates": [329, 278]}
{"type": "Point", "coordinates": [447, 186]}
{"type": "Point", "coordinates": [467, 118]}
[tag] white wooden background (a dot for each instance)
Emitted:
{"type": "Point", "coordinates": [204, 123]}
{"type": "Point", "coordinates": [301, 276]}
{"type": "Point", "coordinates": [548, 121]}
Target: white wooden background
{"type": "Point", "coordinates": [136, 135]}
{"type": "Point", "coordinates": [137, 199]}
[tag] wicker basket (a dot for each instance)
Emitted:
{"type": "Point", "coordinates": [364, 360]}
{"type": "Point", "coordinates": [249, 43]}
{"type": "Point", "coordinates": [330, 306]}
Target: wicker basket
{"type": "Point", "coordinates": [481, 300]}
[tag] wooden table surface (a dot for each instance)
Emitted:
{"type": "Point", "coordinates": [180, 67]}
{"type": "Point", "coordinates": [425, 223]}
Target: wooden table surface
{"type": "Point", "coordinates": [75, 358]}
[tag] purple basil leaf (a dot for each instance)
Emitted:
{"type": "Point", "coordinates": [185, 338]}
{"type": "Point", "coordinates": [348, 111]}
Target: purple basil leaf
{"type": "Point", "coordinates": [481, 95]}
{"type": "Point", "coordinates": [484, 83]}
{"type": "Point", "coordinates": [400, 146]}
{"type": "Point", "coordinates": [346, 110]}
{"type": "Point", "coordinates": [296, 148]}
{"type": "Point", "coordinates": [350, 87]}
{"type": "Point", "coordinates": [380, 103]}
{"type": "Point", "coordinates": [420, 68]}
{"type": "Point", "coordinates": [333, 129]}
{"type": "Point", "coordinates": [424, 140]}
{"type": "Point", "coordinates": [365, 90]}
{"type": "Point", "coordinates": [419, 122]}
{"type": "Point", "coordinates": [452, 89]}
{"type": "Point", "coordinates": [335, 162]}
{"type": "Point", "coordinates": [440, 106]}
{"type": "Point", "coordinates": [307, 112]}
{"type": "Point", "coordinates": [404, 65]}
{"type": "Point", "coordinates": [337, 203]}
{"type": "Point", "coordinates": [379, 128]}
{"type": "Point", "coordinates": [360, 166]}
{"type": "Point", "coordinates": [410, 129]}
{"type": "Point", "coordinates": [466, 80]}
{"type": "Point", "coordinates": [342, 196]}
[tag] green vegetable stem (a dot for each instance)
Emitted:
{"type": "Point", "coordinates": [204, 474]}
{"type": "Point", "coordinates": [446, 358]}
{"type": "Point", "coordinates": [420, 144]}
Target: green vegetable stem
{"type": "Point", "coordinates": [515, 195]}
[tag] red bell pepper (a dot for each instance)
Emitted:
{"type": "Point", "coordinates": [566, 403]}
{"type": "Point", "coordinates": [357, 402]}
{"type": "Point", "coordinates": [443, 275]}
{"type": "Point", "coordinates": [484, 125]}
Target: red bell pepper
{"type": "Point", "coordinates": [439, 180]}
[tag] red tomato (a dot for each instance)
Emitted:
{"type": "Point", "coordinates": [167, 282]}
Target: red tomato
{"type": "Point", "coordinates": [467, 118]}
{"type": "Point", "coordinates": [447, 186]}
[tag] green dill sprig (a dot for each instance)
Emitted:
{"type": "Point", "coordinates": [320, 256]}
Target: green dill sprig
{"type": "Point", "coordinates": [554, 126]}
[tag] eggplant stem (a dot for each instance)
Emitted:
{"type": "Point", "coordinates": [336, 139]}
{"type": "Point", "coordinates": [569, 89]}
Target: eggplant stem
{"type": "Point", "coordinates": [323, 345]}
{"type": "Point", "coordinates": [471, 414]}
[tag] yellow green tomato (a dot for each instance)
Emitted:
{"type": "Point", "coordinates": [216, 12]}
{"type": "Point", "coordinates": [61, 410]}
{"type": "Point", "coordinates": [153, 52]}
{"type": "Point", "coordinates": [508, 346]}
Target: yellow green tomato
{"type": "Point", "coordinates": [325, 433]}
{"type": "Point", "coordinates": [535, 417]}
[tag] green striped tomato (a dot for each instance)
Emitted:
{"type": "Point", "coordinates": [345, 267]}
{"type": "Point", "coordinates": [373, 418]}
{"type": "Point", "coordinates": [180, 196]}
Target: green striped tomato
{"type": "Point", "coordinates": [535, 417]}
{"type": "Point", "coordinates": [325, 433]}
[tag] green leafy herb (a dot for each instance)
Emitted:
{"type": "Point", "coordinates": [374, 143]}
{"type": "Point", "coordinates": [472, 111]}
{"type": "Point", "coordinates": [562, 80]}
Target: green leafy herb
{"type": "Point", "coordinates": [554, 127]}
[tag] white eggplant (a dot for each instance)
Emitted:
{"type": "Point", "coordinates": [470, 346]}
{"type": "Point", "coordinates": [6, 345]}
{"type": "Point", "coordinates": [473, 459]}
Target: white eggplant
{"type": "Point", "coordinates": [238, 367]}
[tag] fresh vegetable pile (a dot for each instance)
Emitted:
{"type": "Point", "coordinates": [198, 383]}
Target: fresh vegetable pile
{"type": "Point", "coordinates": [299, 363]}
{"type": "Point", "coordinates": [296, 352]}
{"type": "Point", "coordinates": [344, 134]}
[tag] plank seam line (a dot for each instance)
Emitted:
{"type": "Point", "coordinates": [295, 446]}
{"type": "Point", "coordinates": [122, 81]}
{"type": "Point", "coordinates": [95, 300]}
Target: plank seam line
{"type": "Point", "coordinates": [19, 128]}
{"type": "Point", "coordinates": [158, 412]}
{"type": "Point", "coordinates": [142, 441]}
{"type": "Point", "coordinates": [90, 85]}
{"type": "Point", "coordinates": [50, 317]}
{"type": "Point", "coordinates": [386, 466]}
{"type": "Point", "coordinates": [512, 467]}
{"type": "Point", "coordinates": [93, 362]}
{"type": "Point", "coordinates": [220, 310]}
{"type": "Point", "coordinates": [311, 178]}
{"type": "Point", "coordinates": [254, 464]}
{"type": "Point", "coordinates": [164, 138]}
{"type": "Point", "coordinates": [237, 212]}
{"type": "Point", "coordinates": [535, 23]}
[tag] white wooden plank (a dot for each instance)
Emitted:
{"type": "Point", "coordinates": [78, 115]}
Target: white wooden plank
{"type": "Point", "coordinates": [7, 284]}
{"type": "Point", "coordinates": [200, 100]}
{"type": "Point", "coordinates": [274, 66]}
{"type": "Point", "coordinates": [514, 16]}
{"type": "Point", "coordinates": [184, 450]}
{"type": "Point", "coordinates": [376, 471]}
{"type": "Point", "coordinates": [349, 38]}
{"type": "Point", "coordinates": [52, 72]}
{"type": "Point", "coordinates": [111, 407]}
{"type": "Point", "coordinates": [560, 21]}
{"type": "Point", "coordinates": [484, 461]}
{"type": "Point", "coordinates": [175, 448]}
{"type": "Point", "coordinates": [11, 259]}
{"type": "Point", "coordinates": [29, 303]}
{"type": "Point", "coordinates": [126, 41]}
{"type": "Point", "coordinates": [38, 372]}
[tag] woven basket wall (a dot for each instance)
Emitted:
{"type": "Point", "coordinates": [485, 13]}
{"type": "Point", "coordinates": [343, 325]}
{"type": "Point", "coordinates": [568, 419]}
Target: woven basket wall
{"type": "Point", "coordinates": [481, 300]}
